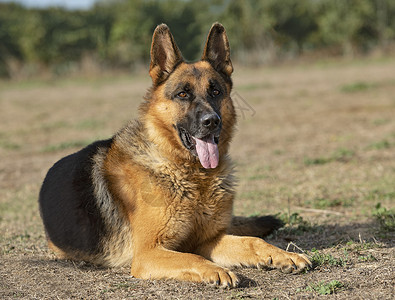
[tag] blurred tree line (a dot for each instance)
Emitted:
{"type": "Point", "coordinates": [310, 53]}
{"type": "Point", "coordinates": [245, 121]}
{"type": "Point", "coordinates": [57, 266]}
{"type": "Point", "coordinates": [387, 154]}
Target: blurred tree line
{"type": "Point", "coordinates": [117, 33]}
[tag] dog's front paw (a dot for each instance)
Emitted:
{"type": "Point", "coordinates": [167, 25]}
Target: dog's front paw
{"type": "Point", "coordinates": [288, 262]}
{"type": "Point", "coordinates": [219, 276]}
{"type": "Point", "coordinates": [273, 257]}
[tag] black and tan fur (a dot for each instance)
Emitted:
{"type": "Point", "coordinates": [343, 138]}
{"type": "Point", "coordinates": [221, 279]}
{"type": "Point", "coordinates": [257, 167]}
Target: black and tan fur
{"type": "Point", "coordinates": [143, 198]}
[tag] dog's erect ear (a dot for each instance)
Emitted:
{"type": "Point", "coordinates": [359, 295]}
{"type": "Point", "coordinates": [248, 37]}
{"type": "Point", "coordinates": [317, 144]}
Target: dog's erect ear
{"type": "Point", "coordinates": [165, 55]}
{"type": "Point", "coordinates": [217, 51]}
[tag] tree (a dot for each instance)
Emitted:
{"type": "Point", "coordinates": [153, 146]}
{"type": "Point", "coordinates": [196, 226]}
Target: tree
{"type": "Point", "coordinates": [340, 22]}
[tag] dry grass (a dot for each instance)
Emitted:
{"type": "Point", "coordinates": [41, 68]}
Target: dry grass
{"type": "Point", "coordinates": [315, 144]}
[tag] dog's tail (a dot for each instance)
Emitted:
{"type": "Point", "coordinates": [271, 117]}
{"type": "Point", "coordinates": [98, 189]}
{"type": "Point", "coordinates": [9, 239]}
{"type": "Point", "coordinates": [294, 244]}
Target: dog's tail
{"type": "Point", "coordinates": [254, 226]}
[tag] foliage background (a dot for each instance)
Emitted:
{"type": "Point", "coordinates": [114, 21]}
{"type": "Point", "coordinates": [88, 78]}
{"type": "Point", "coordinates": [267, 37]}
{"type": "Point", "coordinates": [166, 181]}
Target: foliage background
{"type": "Point", "coordinates": [116, 34]}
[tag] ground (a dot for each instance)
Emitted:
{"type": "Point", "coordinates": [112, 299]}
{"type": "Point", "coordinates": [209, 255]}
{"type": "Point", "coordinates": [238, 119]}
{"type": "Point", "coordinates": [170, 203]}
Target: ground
{"type": "Point", "coordinates": [315, 145]}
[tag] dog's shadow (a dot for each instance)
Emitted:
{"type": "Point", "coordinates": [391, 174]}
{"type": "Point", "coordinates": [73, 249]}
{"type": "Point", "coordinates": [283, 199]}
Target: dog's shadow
{"type": "Point", "coordinates": [246, 282]}
{"type": "Point", "coordinates": [325, 236]}
{"type": "Point", "coordinates": [65, 264]}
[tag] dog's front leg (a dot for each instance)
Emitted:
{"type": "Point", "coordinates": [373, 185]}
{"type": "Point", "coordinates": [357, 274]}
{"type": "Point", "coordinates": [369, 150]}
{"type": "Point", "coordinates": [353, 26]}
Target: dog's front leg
{"type": "Point", "coordinates": [160, 263]}
{"type": "Point", "coordinates": [230, 250]}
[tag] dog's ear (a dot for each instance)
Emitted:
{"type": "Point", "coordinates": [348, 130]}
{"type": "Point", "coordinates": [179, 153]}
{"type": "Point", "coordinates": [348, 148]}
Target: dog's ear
{"type": "Point", "coordinates": [165, 55]}
{"type": "Point", "coordinates": [217, 51]}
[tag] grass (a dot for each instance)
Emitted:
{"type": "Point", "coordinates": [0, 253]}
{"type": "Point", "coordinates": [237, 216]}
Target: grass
{"type": "Point", "coordinates": [358, 86]}
{"type": "Point", "coordinates": [383, 144]}
{"type": "Point", "coordinates": [325, 288]}
{"type": "Point", "coordinates": [295, 224]}
{"type": "Point", "coordinates": [321, 259]}
{"type": "Point", "coordinates": [385, 217]}
{"type": "Point", "coordinates": [381, 121]}
{"type": "Point", "coordinates": [6, 144]}
{"type": "Point", "coordinates": [89, 124]}
{"type": "Point", "coordinates": [340, 155]}
{"type": "Point", "coordinates": [322, 203]}
{"type": "Point", "coordinates": [67, 145]}
{"type": "Point", "coordinates": [293, 219]}
{"type": "Point", "coordinates": [367, 258]}
{"type": "Point", "coordinates": [254, 86]}
{"type": "Point", "coordinates": [9, 145]}
{"type": "Point", "coordinates": [316, 161]}
{"type": "Point", "coordinates": [259, 176]}
{"type": "Point", "coordinates": [386, 193]}
{"type": "Point", "coordinates": [47, 127]}
{"type": "Point", "coordinates": [362, 250]}
{"type": "Point", "coordinates": [360, 246]}
{"type": "Point", "coordinates": [255, 195]}
{"type": "Point", "coordinates": [83, 124]}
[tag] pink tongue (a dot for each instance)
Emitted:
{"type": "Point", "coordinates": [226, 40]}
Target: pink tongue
{"type": "Point", "coordinates": [207, 151]}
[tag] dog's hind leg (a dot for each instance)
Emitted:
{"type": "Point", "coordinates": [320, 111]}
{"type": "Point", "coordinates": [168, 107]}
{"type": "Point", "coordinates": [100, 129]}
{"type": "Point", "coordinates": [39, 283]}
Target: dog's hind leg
{"type": "Point", "coordinates": [58, 252]}
{"type": "Point", "coordinates": [254, 226]}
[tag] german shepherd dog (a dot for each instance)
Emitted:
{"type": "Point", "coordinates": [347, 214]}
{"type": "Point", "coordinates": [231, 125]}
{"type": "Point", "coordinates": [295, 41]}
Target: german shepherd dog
{"type": "Point", "coordinates": [158, 195]}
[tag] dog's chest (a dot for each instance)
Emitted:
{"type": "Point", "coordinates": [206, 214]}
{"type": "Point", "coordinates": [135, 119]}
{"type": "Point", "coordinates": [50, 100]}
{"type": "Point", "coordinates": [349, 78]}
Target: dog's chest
{"type": "Point", "coordinates": [199, 211]}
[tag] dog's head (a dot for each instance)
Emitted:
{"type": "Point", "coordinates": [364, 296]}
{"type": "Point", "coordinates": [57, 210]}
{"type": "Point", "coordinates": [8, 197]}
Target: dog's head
{"type": "Point", "coordinates": [189, 106]}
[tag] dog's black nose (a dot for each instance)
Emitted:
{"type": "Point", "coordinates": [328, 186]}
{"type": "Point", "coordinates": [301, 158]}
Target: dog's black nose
{"type": "Point", "coordinates": [211, 121]}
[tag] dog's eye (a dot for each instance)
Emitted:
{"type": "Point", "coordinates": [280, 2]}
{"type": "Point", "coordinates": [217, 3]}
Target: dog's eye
{"type": "Point", "coordinates": [216, 92]}
{"type": "Point", "coordinates": [182, 94]}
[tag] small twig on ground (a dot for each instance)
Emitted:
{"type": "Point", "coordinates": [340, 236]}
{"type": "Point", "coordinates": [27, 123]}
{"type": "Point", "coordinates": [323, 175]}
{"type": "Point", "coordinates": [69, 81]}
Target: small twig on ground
{"type": "Point", "coordinates": [295, 246]}
{"type": "Point", "coordinates": [76, 267]}
{"type": "Point", "coordinates": [360, 238]}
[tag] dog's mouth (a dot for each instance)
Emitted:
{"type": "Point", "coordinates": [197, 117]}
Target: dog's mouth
{"type": "Point", "coordinates": [205, 148]}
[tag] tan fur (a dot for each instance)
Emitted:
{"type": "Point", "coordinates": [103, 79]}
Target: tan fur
{"type": "Point", "coordinates": [178, 212]}
{"type": "Point", "coordinates": [168, 216]}
{"type": "Point", "coordinates": [58, 252]}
